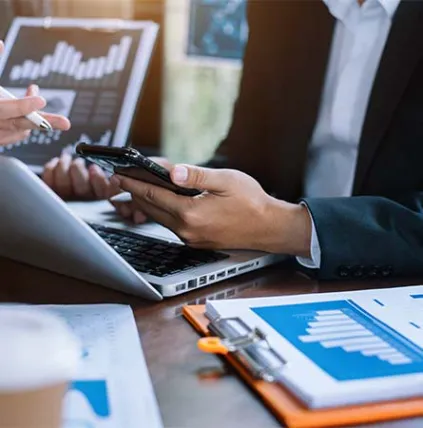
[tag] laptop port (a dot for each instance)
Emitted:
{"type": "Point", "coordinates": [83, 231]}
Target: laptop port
{"type": "Point", "coordinates": [221, 275]}
{"type": "Point", "coordinates": [232, 271]}
{"type": "Point", "coordinates": [212, 277]}
{"type": "Point", "coordinates": [203, 280]}
{"type": "Point", "coordinates": [180, 287]}
{"type": "Point", "coordinates": [192, 284]}
{"type": "Point", "coordinates": [249, 266]}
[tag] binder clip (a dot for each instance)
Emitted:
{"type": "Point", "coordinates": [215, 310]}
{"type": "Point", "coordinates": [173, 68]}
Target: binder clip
{"type": "Point", "coordinates": [249, 347]}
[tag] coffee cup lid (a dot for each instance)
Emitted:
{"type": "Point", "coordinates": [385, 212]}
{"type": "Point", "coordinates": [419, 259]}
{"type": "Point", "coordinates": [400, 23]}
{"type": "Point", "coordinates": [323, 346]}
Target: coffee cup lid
{"type": "Point", "coordinates": [37, 349]}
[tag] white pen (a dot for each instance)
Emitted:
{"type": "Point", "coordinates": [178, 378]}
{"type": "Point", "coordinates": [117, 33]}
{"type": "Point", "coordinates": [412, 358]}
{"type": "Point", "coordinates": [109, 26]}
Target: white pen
{"type": "Point", "coordinates": [34, 117]}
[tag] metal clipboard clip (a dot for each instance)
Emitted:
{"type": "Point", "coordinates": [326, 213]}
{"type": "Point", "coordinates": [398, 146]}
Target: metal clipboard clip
{"type": "Point", "coordinates": [249, 347]}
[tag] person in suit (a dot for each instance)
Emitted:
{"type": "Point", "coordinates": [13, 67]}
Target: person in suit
{"type": "Point", "coordinates": [13, 124]}
{"type": "Point", "coordinates": [325, 146]}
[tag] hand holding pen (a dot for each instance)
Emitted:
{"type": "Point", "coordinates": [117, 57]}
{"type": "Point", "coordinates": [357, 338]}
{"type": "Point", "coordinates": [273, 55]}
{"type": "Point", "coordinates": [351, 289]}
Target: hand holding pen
{"type": "Point", "coordinates": [19, 116]}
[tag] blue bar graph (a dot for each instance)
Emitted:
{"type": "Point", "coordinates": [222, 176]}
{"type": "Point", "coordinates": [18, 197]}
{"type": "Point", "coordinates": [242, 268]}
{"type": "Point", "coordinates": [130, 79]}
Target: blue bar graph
{"type": "Point", "coordinates": [344, 340]}
{"type": "Point", "coordinates": [95, 391]}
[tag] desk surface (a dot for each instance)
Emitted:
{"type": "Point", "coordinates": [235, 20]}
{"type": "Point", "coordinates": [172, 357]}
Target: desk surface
{"type": "Point", "coordinates": [193, 389]}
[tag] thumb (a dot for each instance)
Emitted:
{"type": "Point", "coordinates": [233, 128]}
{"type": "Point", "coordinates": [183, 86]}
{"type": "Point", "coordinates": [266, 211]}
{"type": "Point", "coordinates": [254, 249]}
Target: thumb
{"type": "Point", "coordinates": [195, 177]}
{"type": "Point", "coordinates": [1, 47]}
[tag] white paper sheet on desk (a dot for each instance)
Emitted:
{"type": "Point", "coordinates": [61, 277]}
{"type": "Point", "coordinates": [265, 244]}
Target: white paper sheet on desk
{"type": "Point", "coordinates": [113, 387]}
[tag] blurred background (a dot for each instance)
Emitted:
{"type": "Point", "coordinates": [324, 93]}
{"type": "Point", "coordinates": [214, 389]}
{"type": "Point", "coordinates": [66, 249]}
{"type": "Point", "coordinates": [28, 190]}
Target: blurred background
{"type": "Point", "coordinates": [187, 102]}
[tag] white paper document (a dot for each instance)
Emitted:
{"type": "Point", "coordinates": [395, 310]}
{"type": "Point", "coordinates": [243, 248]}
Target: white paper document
{"type": "Point", "coordinates": [112, 388]}
{"type": "Point", "coordinates": [341, 348]}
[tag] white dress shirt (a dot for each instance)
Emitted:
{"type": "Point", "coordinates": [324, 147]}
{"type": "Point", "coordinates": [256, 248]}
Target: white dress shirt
{"type": "Point", "coordinates": [359, 39]}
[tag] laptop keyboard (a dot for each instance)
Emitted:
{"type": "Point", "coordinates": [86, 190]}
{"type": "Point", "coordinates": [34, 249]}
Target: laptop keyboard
{"type": "Point", "coordinates": [154, 256]}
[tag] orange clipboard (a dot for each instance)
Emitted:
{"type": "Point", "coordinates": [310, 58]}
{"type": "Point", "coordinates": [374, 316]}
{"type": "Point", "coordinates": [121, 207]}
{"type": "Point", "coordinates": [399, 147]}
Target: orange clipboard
{"type": "Point", "coordinates": [291, 411]}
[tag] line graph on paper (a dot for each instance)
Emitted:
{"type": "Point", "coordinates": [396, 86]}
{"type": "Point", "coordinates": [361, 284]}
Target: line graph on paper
{"type": "Point", "coordinates": [344, 340]}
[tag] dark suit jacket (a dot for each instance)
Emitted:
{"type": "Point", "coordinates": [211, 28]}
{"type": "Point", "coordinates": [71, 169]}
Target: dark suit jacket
{"type": "Point", "coordinates": [379, 231]}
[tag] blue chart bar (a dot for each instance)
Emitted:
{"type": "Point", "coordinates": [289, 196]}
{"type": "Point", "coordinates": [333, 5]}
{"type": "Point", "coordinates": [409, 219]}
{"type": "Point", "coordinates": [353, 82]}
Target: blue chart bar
{"type": "Point", "coordinates": [96, 394]}
{"type": "Point", "coordinates": [344, 340]}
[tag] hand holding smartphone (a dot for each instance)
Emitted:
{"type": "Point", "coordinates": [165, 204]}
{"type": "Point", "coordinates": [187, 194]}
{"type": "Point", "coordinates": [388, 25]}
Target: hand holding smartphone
{"type": "Point", "coordinates": [131, 163]}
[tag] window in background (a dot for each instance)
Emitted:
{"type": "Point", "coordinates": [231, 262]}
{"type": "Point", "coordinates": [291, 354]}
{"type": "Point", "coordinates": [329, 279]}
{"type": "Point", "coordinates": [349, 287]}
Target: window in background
{"type": "Point", "coordinates": [204, 45]}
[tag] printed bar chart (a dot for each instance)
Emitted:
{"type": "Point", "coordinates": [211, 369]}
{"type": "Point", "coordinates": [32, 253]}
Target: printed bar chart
{"type": "Point", "coordinates": [67, 61]}
{"type": "Point", "coordinates": [351, 337]}
{"type": "Point", "coordinates": [344, 340]}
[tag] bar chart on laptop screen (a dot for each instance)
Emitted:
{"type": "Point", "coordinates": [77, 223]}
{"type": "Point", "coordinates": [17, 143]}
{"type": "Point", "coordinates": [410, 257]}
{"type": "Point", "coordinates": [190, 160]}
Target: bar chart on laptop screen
{"type": "Point", "coordinates": [344, 340]}
{"type": "Point", "coordinates": [83, 74]}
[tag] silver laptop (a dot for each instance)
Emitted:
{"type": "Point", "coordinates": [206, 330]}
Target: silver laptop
{"type": "Point", "coordinates": [86, 241]}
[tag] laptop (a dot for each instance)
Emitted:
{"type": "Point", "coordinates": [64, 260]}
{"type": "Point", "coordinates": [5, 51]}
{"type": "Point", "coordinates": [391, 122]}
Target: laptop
{"type": "Point", "coordinates": [86, 241]}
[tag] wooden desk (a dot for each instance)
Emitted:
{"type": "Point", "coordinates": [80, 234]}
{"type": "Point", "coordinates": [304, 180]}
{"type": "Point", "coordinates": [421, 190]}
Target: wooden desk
{"type": "Point", "coordinates": [193, 389]}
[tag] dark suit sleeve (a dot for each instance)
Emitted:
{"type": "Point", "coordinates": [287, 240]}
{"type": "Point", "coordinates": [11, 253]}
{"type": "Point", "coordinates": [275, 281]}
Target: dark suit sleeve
{"type": "Point", "coordinates": [367, 236]}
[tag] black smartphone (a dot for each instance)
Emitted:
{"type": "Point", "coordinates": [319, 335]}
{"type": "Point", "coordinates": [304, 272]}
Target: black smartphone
{"type": "Point", "coordinates": [131, 163]}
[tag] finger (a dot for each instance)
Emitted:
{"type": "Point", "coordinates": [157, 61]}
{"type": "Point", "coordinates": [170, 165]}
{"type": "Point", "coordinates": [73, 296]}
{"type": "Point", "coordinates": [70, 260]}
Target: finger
{"type": "Point", "coordinates": [128, 209]}
{"type": "Point", "coordinates": [195, 177]}
{"type": "Point", "coordinates": [33, 91]}
{"type": "Point", "coordinates": [139, 217]}
{"type": "Point", "coordinates": [154, 213]}
{"type": "Point", "coordinates": [22, 123]}
{"type": "Point", "coordinates": [80, 179]}
{"type": "Point", "coordinates": [99, 182]}
{"type": "Point", "coordinates": [124, 209]}
{"type": "Point", "coordinates": [1, 47]}
{"type": "Point", "coordinates": [62, 180]}
{"type": "Point", "coordinates": [48, 172]}
{"type": "Point", "coordinates": [17, 125]}
{"type": "Point", "coordinates": [154, 195]}
{"type": "Point", "coordinates": [13, 137]}
{"type": "Point", "coordinates": [11, 109]}
{"type": "Point", "coordinates": [16, 108]}
{"type": "Point", "coordinates": [57, 121]}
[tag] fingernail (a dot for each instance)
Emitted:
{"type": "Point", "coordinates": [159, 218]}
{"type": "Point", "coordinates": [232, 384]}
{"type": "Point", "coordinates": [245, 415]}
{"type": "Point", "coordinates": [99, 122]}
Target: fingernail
{"type": "Point", "coordinates": [38, 102]}
{"type": "Point", "coordinates": [139, 217]}
{"type": "Point", "coordinates": [125, 211]}
{"type": "Point", "coordinates": [180, 174]}
{"type": "Point", "coordinates": [94, 169]}
{"type": "Point", "coordinates": [115, 180]}
{"type": "Point", "coordinates": [52, 163]}
{"type": "Point", "coordinates": [122, 197]}
{"type": "Point", "coordinates": [35, 89]}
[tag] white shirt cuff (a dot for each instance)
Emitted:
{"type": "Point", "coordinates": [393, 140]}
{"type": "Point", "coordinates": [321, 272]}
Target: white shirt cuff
{"type": "Point", "coordinates": [315, 251]}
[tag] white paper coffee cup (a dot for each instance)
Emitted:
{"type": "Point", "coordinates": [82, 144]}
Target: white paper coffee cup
{"type": "Point", "coordinates": [38, 357]}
